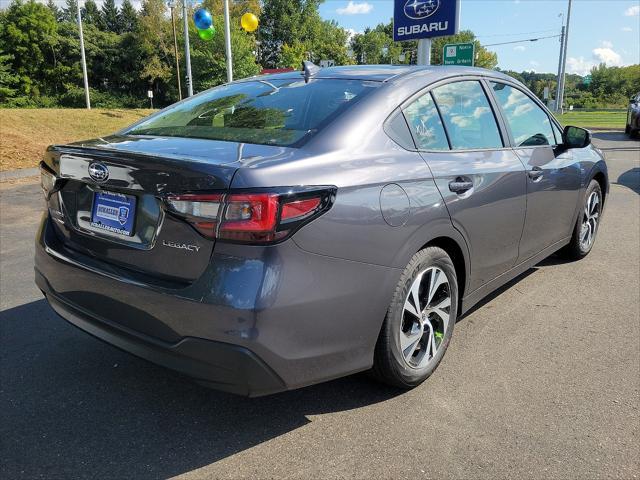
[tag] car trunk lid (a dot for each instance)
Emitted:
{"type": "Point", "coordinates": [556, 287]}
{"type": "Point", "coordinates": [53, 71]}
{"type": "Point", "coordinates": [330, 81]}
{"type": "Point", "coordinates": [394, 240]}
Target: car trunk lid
{"type": "Point", "coordinates": [140, 173]}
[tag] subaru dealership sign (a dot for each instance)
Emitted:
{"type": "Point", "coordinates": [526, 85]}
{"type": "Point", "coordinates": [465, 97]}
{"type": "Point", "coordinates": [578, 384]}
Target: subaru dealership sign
{"type": "Point", "coordinates": [415, 19]}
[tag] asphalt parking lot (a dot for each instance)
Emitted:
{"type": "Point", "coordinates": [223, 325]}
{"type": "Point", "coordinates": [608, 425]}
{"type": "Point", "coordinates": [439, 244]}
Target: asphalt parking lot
{"type": "Point", "coordinates": [541, 381]}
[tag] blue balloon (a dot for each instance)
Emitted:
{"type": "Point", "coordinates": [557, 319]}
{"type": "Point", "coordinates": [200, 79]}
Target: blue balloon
{"type": "Point", "coordinates": [202, 19]}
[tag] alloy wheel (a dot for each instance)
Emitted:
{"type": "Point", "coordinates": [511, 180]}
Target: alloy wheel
{"type": "Point", "coordinates": [590, 220]}
{"type": "Point", "coordinates": [425, 317]}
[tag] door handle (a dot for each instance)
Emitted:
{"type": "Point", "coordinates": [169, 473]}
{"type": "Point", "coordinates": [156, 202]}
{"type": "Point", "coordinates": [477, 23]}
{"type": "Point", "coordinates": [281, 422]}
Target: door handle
{"type": "Point", "coordinates": [535, 173]}
{"type": "Point", "coordinates": [460, 186]}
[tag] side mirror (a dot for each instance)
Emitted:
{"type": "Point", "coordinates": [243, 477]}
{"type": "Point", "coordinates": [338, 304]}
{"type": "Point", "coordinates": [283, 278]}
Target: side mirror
{"type": "Point", "coordinates": [576, 137]}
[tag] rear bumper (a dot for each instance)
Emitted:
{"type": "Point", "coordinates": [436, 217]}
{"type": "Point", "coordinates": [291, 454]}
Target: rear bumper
{"type": "Point", "coordinates": [259, 320]}
{"type": "Point", "coordinates": [222, 366]}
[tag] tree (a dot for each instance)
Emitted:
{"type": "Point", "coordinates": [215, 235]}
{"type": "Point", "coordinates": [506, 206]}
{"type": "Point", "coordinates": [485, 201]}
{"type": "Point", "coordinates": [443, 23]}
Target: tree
{"type": "Point", "coordinates": [29, 32]}
{"type": "Point", "coordinates": [292, 56]}
{"type": "Point", "coordinates": [326, 40]}
{"type": "Point", "coordinates": [8, 81]}
{"type": "Point", "coordinates": [57, 13]}
{"type": "Point", "coordinates": [155, 44]}
{"type": "Point", "coordinates": [127, 18]}
{"type": "Point", "coordinates": [285, 22]}
{"type": "Point", "coordinates": [91, 15]}
{"type": "Point", "coordinates": [110, 16]}
{"type": "Point", "coordinates": [70, 12]}
{"type": "Point", "coordinates": [375, 47]}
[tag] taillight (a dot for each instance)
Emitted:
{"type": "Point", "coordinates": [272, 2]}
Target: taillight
{"type": "Point", "coordinates": [200, 210]}
{"type": "Point", "coordinates": [299, 209]}
{"type": "Point", "coordinates": [47, 182]}
{"type": "Point", "coordinates": [252, 217]}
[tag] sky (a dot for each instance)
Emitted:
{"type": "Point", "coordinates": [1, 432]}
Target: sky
{"type": "Point", "coordinates": [600, 31]}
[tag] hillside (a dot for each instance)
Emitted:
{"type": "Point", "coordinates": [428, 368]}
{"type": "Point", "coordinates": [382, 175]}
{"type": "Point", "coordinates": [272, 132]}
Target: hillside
{"type": "Point", "coordinates": [26, 133]}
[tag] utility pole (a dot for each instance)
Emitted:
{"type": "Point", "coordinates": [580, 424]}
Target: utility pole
{"type": "Point", "coordinates": [424, 52]}
{"type": "Point", "coordinates": [172, 6]}
{"type": "Point", "coordinates": [84, 61]}
{"type": "Point", "coordinates": [187, 51]}
{"type": "Point", "coordinates": [227, 41]}
{"type": "Point", "coordinates": [560, 55]}
{"type": "Point", "coordinates": [564, 60]}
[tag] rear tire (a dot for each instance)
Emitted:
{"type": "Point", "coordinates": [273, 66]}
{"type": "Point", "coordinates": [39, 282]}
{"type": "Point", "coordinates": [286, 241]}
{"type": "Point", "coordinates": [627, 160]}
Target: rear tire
{"type": "Point", "coordinates": [587, 224]}
{"type": "Point", "coordinates": [627, 129]}
{"type": "Point", "coordinates": [419, 322]}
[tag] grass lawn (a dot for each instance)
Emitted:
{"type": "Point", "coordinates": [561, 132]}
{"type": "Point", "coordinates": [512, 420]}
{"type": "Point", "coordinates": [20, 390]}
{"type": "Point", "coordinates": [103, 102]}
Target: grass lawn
{"type": "Point", "coordinates": [26, 133]}
{"type": "Point", "coordinates": [613, 119]}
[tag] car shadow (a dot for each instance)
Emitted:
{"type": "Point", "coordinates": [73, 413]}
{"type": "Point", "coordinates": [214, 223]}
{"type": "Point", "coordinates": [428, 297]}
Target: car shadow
{"type": "Point", "coordinates": [632, 144]}
{"type": "Point", "coordinates": [74, 407]}
{"type": "Point", "coordinates": [497, 293]}
{"type": "Point", "coordinates": [630, 179]}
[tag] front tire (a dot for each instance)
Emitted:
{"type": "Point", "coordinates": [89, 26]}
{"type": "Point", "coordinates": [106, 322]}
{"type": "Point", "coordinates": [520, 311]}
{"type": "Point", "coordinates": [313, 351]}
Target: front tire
{"type": "Point", "coordinates": [586, 227]}
{"type": "Point", "coordinates": [627, 129]}
{"type": "Point", "coordinates": [420, 320]}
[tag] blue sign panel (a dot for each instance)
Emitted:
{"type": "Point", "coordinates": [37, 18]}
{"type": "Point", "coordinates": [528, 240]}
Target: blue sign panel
{"type": "Point", "coordinates": [414, 19]}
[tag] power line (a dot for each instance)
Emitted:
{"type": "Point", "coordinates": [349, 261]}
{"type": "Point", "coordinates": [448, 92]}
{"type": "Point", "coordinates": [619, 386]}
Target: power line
{"type": "Point", "coordinates": [518, 33]}
{"type": "Point", "coordinates": [521, 41]}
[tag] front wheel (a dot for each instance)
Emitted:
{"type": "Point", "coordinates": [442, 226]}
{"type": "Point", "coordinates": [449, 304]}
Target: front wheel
{"type": "Point", "coordinates": [586, 227]}
{"type": "Point", "coordinates": [420, 320]}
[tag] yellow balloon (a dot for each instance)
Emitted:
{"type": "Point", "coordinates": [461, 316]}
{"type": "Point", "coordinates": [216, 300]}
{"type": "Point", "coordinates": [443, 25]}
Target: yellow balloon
{"type": "Point", "coordinates": [249, 22]}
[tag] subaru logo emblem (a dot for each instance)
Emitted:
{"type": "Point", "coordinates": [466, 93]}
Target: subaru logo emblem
{"type": "Point", "coordinates": [419, 9]}
{"type": "Point", "coordinates": [98, 172]}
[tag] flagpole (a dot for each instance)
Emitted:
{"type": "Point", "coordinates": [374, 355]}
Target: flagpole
{"type": "Point", "coordinates": [187, 51]}
{"type": "Point", "coordinates": [84, 61]}
{"type": "Point", "coordinates": [227, 41]}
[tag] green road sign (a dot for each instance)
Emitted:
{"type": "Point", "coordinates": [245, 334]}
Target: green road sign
{"type": "Point", "coordinates": [458, 54]}
{"type": "Point", "coordinates": [587, 80]}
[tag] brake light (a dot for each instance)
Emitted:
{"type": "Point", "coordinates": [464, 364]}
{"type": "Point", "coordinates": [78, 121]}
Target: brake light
{"type": "Point", "coordinates": [261, 217]}
{"type": "Point", "coordinates": [250, 218]}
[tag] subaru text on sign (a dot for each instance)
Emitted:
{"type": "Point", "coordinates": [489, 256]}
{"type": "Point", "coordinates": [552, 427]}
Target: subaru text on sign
{"type": "Point", "coordinates": [415, 19]}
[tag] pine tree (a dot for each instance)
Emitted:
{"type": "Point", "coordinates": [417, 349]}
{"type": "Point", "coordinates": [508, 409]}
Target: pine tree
{"type": "Point", "coordinates": [91, 14]}
{"type": "Point", "coordinates": [127, 18]}
{"type": "Point", "coordinates": [70, 12]}
{"type": "Point", "coordinates": [8, 79]}
{"type": "Point", "coordinates": [57, 13]}
{"type": "Point", "coordinates": [110, 15]}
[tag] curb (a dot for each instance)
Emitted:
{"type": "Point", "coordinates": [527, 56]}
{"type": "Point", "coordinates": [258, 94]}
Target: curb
{"type": "Point", "coordinates": [17, 174]}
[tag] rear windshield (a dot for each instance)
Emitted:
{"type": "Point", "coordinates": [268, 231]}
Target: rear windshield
{"type": "Point", "coordinates": [282, 112]}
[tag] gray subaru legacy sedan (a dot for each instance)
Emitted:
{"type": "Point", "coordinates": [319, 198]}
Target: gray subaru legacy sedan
{"type": "Point", "coordinates": [288, 229]}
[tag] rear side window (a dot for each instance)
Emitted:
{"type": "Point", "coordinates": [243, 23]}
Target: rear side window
{"type": "Point", "coordinates": [426, 126]}
{"type": "Point", "coordinates": [529, 124]}
{"type": "Point", "coordinates": [273, 112]}
{"type": "Point", "coordinates": [467, 116]}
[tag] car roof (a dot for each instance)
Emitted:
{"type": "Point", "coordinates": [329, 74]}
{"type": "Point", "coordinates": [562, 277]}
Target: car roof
{"type": "Point", "coordinates": [385, 73]}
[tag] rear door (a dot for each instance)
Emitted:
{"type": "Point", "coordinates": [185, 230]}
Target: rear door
{"type": "Point", "coordinates": [553, 175]}
{"type": "Point", "coordinates": [481, 181]}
